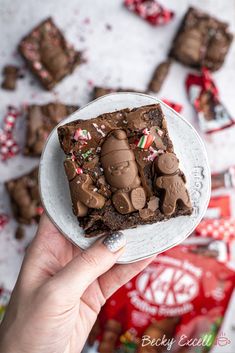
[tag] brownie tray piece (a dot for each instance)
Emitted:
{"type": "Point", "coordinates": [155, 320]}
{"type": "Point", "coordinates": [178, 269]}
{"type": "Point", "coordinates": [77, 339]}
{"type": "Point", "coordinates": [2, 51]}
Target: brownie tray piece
{"type": "Point", "coordinates": [48, 54]}
{"type": "Point", "coordinates": [25, 199]}
{"type": "Point", "coordinates": [101, 91]}
{"type": "Point", "coordinates": [40, 120]}
{"type": "Point", "coordinates": [201, 40]}
{"type": "Point", "coordinates": [122, 170]}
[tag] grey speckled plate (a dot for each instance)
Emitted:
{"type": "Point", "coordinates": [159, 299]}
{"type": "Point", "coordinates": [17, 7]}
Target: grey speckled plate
{"type": "Point", "coordinates": [145, 240]}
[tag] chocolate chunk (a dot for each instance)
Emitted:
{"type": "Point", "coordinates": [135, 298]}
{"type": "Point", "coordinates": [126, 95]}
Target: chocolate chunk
{"type": "Point", "coordinates": [159, 76]}
{"type": "Point", "coordinates": [201, 41]}
{"type": "Point", "coordinates": [138, 198]}
{"type": "Point", "coordinates": [153, 203]}
{"type": "Point", "coordinates": [122, 202]}
{"type": "Point", "coordinates": [70, 169]}
{"type": "Point", "coordinates": [25, 199]}
{"type": "Point", "coordinates": [146, 213]}
{"type": "Point", "coordinates": [41, 120]}
{"type": "Point", "coordinates": [172, 182]}
{"type": "Point", "coordinates": [19, 234]}
{"type": "Point", "coordinates": [118, 170]}
{"type": "Point", "coordinates": [11, 74]}
{"type": "Point", "coordinates": [48, 54]}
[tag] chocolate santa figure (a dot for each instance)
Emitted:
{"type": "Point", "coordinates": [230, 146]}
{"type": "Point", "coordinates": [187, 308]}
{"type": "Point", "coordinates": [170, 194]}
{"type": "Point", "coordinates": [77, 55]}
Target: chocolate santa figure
{"type": "Point", "coordinates": [173, 183]}
{"type": "Point", "coordinates": [121, 172]}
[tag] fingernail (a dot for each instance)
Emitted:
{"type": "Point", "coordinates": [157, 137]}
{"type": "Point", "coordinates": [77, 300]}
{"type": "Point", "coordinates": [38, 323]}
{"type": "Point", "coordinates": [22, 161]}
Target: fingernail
{"type": "Point", "coordinates": [115, 241]}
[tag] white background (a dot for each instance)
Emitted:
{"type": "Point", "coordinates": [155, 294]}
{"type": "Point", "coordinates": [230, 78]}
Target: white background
{"type": "Point", "coordinates": [124, 56]}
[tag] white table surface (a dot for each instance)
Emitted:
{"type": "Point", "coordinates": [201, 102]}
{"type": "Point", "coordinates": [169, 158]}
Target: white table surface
{"type": "Point", "coordinates": [124, 56]}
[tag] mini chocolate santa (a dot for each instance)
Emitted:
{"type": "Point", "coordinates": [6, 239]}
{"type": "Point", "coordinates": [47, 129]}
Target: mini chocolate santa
{"type": "Point", "coordinates": [121, 172]}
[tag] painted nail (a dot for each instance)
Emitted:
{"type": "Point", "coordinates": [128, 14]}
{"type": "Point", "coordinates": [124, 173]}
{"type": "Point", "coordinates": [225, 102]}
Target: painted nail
{"type": "Point", "coordinates": [115, 241]}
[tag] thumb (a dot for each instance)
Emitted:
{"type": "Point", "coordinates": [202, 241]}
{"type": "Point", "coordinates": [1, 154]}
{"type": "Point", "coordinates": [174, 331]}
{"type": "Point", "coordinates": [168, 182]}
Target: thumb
{"type": "Point", "coordinates": [80, 272]}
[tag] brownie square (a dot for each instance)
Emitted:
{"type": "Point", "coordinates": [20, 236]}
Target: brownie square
{"type": "Point", "coordinates": [48, 54]}
{"type": "Point", "coordinates": [40, 120]}
{"type": "Point", "coordinates": [122, 170]}
{"type": "Point", "coordinates": [201, 40]}
{"type": "Point", "coordinates": [24, 196]}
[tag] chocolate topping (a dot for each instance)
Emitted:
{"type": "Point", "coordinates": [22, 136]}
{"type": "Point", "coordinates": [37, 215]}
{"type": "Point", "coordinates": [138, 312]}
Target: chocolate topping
{"type": "Point", "coordinates": [11, 74]}
{"type": "Point", "coordinates": [172, 182]}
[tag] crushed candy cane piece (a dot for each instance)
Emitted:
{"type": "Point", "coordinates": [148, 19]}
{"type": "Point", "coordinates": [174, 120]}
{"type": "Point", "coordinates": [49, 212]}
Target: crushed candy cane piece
{"type": "Point", "coordinates": [8, 146]}
{"type": "Point", "coordinates": [145, 141]}
{"type": "Point", "coordinates": [40, 210]}
{"type": "Point", "coordinates": [4, 219]}
{"type": "Point", "coordinates": [79, 170]}
{"type": "Point", "coordinates": [82, 135]}
{"type": "Point", "coordinates": [150, 10]}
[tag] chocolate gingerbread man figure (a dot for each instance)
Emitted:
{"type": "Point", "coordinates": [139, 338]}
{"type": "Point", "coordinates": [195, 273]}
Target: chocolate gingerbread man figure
{"type": "Point", "coordinates": [82, 190]}
{"type": "Point", "coordinates": [121, 172]}
{"type": "Point", "coordinates": [172, 182]}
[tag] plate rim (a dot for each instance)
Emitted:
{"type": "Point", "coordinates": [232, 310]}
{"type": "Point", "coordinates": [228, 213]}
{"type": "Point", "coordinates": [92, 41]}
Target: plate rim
{"type": "Point", "coordinates": [157, 100]}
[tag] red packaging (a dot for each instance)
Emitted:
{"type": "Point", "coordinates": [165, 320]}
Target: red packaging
{"type": "Point", "coordinates": [224, 179]}
{"type": "Point", "coordinates": [150, 10]}
{"type": "Point", "coordinates": [219, 207]}
{"type": "Point", "coordinates": [222, 229]}
{"type": "Point", "coordinates": [176, 106]}
{"type": "Point", "coordinates": [204, 96]}
{"type": "Point", "coordinates": [180, 296]}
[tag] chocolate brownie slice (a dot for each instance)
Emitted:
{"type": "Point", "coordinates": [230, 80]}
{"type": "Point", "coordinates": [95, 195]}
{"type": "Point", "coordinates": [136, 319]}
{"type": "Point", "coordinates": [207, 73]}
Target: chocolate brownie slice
{"type": "Point", "coordinates": [48, 54]}
{"type": "Point", "coordinates": [201, 40]}
{"type": "Point", "coordinates": [122, 170]}
{"type": "Point", "coordinates": [41, 119]}
{"type": "Point", "coordinates": [25, 199]}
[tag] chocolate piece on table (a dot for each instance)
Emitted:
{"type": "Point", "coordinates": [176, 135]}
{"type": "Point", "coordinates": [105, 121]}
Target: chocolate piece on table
{"type": "Point", "coordinates": [11, 74]}
{"type": "Point", "coordinates": [110, 168]}
{"type": "Point", "coordinates": [48, 54]}
{"type": "Point", "coordinates": [159, 76]}
{"type": "Point", "coordinates": [25, 199]}
{"type": "Point", "coordinates": [40, 120]}
{"type": "Point", "coordinates": [201, 40]}
{"type": "Point", "coordinates": [224, 179]}
{"type": "Point", "coordinates": [101, 91]}
{"type": "Point", "coordinates": [19, 234]}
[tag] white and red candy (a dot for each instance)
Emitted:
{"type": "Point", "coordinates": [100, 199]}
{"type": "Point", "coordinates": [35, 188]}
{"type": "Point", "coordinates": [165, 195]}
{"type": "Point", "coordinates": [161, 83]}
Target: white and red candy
{"type": "Point", "coordinates": [150, 10]}
{"type": "Point", "coordinates": [4, 219]}
{"type": "Point", "coordinates": [197, 86]}
{"type": "Point", "coordinates": [8, 146]}
{"type": "Point", "coordinates": [82, 135]}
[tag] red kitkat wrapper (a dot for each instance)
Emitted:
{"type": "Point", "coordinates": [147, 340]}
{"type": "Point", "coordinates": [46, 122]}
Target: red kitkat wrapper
{"type": "Point", "coordinates": [204, 96]}
{"type": "Point", "coordinates": [219, 207]}
{"type": "Point", "coordinates": [176, 106]}
{"type": "Point", "coordinates": [150, 10]}
{"type": "Point", "coordinates": [182, 292]}
{"type": "Point", "coordinates": [221, 229]}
